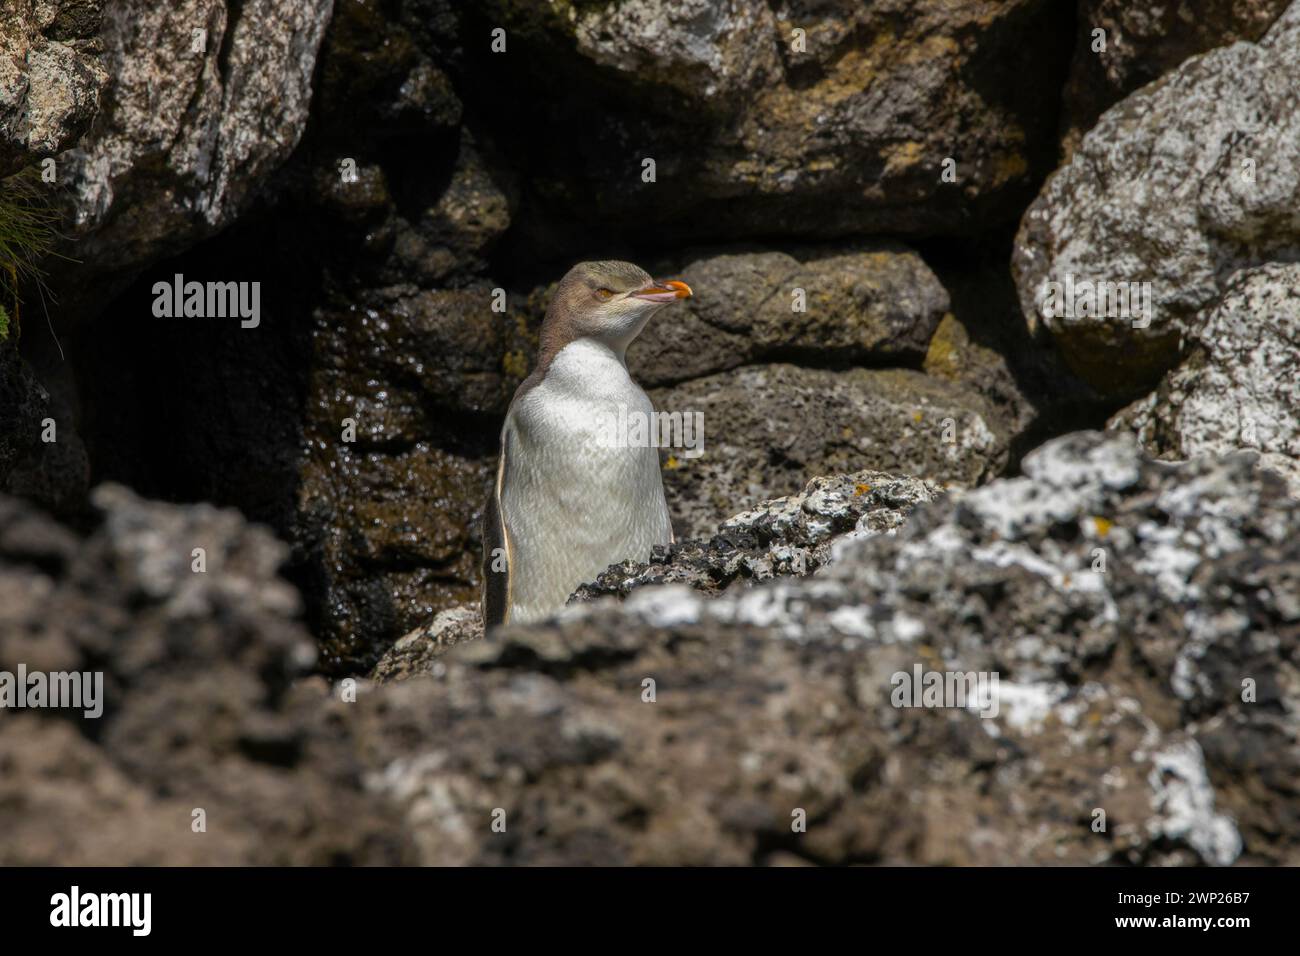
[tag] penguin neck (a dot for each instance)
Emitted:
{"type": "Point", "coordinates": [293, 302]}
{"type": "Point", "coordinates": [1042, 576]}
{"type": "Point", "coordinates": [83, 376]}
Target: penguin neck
{"type": "Point", "coordinates": [590, 367]}
{"type": "Point", "coordinates": [588, 351]}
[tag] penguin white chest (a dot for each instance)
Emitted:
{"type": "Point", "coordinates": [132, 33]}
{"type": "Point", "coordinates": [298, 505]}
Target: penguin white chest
{"type": "Point", "coordinates": [576, 497]}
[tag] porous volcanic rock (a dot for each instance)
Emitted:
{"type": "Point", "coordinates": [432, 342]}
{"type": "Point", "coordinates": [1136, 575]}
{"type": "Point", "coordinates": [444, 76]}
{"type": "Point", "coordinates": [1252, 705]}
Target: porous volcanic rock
{"type": "Point", "coordinates": [197, 714]}
{"type": "Point", "coordinates": [1179, 186]}
{"type": "Point", "coordinates": [1141, 618]}
{"type": "Point", "coordinates": [769, 429]}
{"type": "Point", "coordinates": [827, 118]}
{"type": "Point", "coordinates": [1145, 40]}
{"type": "Point", "coordinates": [793, 535]}
{"type": "Point", "coordinates": [1239, 388]}
{"type": "Point", "coordinates": [51, 79]}
{"type": "Point", "coordinates": [876, 304]}
{"type": "Point", "coordinates": [417, 652]}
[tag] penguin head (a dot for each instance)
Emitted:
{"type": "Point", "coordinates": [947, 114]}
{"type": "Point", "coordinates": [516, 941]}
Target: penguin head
{"type": "Point", "coordinates": [607, 301]}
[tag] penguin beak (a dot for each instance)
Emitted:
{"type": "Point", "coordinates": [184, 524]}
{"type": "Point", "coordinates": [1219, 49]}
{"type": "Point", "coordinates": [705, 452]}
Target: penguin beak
{"type": "Point", "coordinates": [662, 290]}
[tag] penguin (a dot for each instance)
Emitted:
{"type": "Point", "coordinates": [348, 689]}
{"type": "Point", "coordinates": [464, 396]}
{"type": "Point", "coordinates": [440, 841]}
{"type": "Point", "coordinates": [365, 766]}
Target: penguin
{"type": "Point", "coordinates": [568, 502]}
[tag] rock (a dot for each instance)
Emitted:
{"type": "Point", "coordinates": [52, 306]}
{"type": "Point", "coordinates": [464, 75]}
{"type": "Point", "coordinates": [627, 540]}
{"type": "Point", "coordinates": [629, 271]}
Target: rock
{"type": "Point", "coordinates": [385, 521]}
{"type": "Point", "coordinates": [768, 429]}
{"type": "Point", "coordinates": [983, 344]}
{"type": "Point", "coordinates": [379, 69]}
{"type": "Point", "coordinates": [794, 535]}
{"type": "Point", "coordinates": [1219, 192]}
{"type": "Point", "coordinates": [200, 709]}
{"type": "Point", "coordinates": [955, 356]}
{"type": "Point", "coordinates": [69, 802]}
{"type": "Point", "coordinates": [379, 312]}
{"type": "Point", "coordinates": [1143, 42]}
{"type": "Point", "coordinates": [23, 405]}
{"type": "Point", "coordinates": [51, 78]}
{"type": "Point", "coordinates": [53, 474]}
{"type": "Point", "coordinates": [675, 728]}
{"type": "Point", "coordinates": [829, 118]}
{"type": "Point", "coordinates": [1238, 389]}
{"type": "Point", "coordinates": [876, 304]}
{"type": "Point", "coordinates": [417, 652]}
{"type": "Point", "coordinates": [454, 235]}
{"type": "Point", "coordinates": [761, 725]}
{"type": "Point", "coordinates": [415, 192]}
{"type": "Point", "coordinates": [208, 99]}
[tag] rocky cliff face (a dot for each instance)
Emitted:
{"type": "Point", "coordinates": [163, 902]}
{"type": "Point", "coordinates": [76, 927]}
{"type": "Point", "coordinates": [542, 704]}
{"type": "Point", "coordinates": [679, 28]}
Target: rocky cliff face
{"type": "Point", "coordinates": [381, 242]}
{"type": "Point", "coordinates": [892, 214]}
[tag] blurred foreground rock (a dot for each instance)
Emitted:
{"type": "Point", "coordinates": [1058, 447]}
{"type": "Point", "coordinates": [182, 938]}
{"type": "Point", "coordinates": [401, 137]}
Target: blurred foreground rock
{"type": "Point", "coordinates": [1158, 686]}
{"type": "Point", "coordinates": [1141, 618]}
{"type": "Point", "coordinates": [196, 672]}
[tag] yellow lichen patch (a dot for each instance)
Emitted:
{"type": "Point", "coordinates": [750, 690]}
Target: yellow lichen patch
{"type": "Point", "coordinates": [901, 156]}
{"type": "Point", "coordinates": [515, 364]}
{"type": "Point", "coordinates": [1103, 526]}
{"type": "Point", "coordinates": [943, 357]}
{"type": "Point", "coordinates": [861, 489]}
{"type": "Point", "coordinates": [1008, 166]}
{"type": "Point", "coordinates": [933, 47]}
{"type": "Point", "coordinates": [672, 462]}
{"type": "Point", "coordinates": [917, 417]}
{"type": "Point", "coordinates": [851, 74]}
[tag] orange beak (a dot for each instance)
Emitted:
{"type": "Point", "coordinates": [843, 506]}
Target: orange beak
{"type": "Point", "coordinates": [663, 290]}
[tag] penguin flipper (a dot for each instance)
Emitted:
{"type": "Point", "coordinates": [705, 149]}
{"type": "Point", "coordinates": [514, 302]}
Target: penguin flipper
{"type": "Point", "coordinates": [496, 550]}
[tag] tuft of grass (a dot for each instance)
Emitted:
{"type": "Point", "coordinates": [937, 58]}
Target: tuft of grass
{"type": "Point", "coordinates": [27, 234]}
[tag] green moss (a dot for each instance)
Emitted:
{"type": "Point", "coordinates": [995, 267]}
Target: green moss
{"type": "Point", "coordinates": [4, 324]}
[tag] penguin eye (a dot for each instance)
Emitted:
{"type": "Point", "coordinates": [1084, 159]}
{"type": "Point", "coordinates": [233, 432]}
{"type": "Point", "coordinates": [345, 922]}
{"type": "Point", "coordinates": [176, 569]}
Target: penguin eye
{"type": "Point", "coordinates": [604, 294]}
